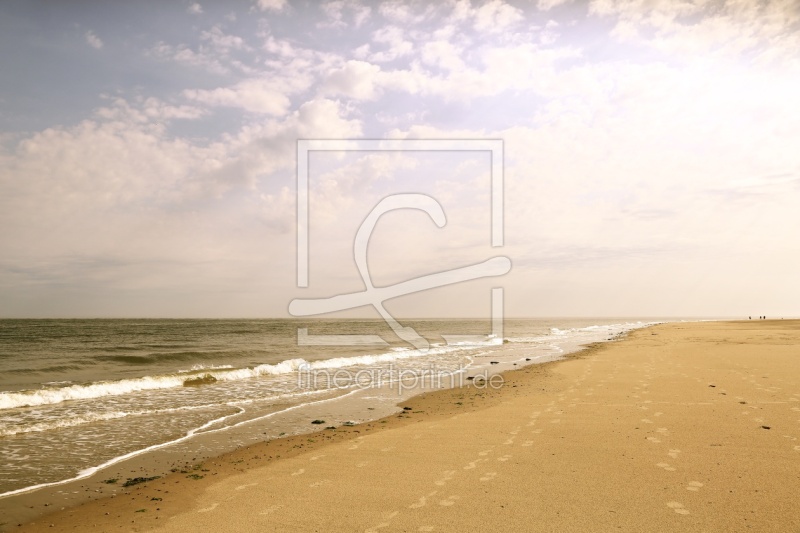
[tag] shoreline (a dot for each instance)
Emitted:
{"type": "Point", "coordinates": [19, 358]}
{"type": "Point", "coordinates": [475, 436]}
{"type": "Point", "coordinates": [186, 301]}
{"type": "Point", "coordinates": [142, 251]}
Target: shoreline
{"type": "Point", "coordinates": [361, 405]}
{"type": "Point", "coordinates": [273, 448]}
{"type": "Point", "coordinates": [692, 380]}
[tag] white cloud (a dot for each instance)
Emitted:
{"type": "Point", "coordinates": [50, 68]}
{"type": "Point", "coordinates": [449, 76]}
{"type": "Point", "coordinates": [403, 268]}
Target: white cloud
{"type": "Point", "coordinates": [93, 40]}
{"type": "Point", "coordinates": [546, 5]}
{"type": "Point", "coordinates": [254, 95]}
{"type": "Point", "coordinates": [397, 45]}
{"type": "Point", "coordinates": [405, 12]}
{"type": "Point", "coordinates": [492, 16]}
{"type": "Point", "coordinates": [442, 54]}
{"type": "Point", "coordinates": [195, 9]}
{"type": "Point", "coordinates": [223, 42]}
{"type": "Point", "coordinates": [496, 16]}
{"type": "Point", "coordinates": [271, 5]}
{"type": "Point", "coordinates": [336, 12]}
{"type": "Point", "coordinates": [356, 79]}
{"type": "Point", "coordinates": [185, 55]}
{"type": "Point", "coordinates": [692, 28]}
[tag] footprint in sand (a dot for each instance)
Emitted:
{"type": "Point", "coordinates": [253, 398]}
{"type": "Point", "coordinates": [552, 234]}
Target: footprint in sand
{"type": "Point", "coordinates": [449, 501]}
{"type": "Point", "coordinates": [666, 466]}
{"type": "Point", "coordinates": [674, 453]}
{"type": "Point", "coordinates": [446, 476]}
{"type": "Point", "coordinates": [654, 440]}
{"type": "Point", "coordinates": [382, 524]}
{"type": "Point", "coordinates": [663, 431]}
{"type": "Point", "coordinates": [505, 458]}
{"type": "Point", "coordinates": [242, 487]}
{"type": "Point", "coordinates": [658, 413]}
{"type": "Point", "coordinates": [422, 502]}
{"type": "Point", "coordinates": [472, 464]}
{"type": "Point", "coordinates": [797, 448]}
{"type": "Point", "coordinates": [317, 457]}
{"type": "Point", "coordinates": [271, 509]}
{"type": "Point", "coordinates": [509, 442]}
{"type": "Point", "coordinates": [299, 472]}
{"type": "Point", "coordinates": [485, 452]}
{"type": "Point", "coordinates": [362, 464]}
{"type": "Point", "coordinates": [208, 509]}
{"type": "Point", "coordinates": [536, 431]}
{"type": "Point", "coordinates": [677, 507]}
{"type": "Point", "coordinates": [694, 486]}
{"type": "Point", "coordinates": [320, 483]}
{"type": "Point", "coordinates": [647, 421]}
{"type": "Point", "coordinates": [488, 476]}
{"type": "Point", "coordinates": [527, 443]}
{"type": "Point", "coordinates": [387, 449]}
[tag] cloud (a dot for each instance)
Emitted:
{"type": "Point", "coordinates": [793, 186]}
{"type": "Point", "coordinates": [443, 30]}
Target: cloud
{"type": "Point", "coordinates": [397, 45]}
{"type": "Point", "coordinates": [443, 54]}
{"type": "Point", "coordinates": [493, 16]}
{"type": "Point", "coordinates": [254, 95]}
{"type": "Point", "coordinates": [271, 5]}
{"type": "Point", "coordinates": [496, 15]}
{"type": "Point", "coordinates": [195, 9]}
{"type": "Point", "coordinates": [93, 40]}
{"type": "Point", "coordinates": [405, 12]}
{"type": "Point", "coordinates": [547, 5]}
{"type": "Point", "coordinates": [186, 56]}
{"type": "Point", "coordinates": [766, 29]}
{"type": "Point", "coordinates": [222, 42]}
{"type": "Point", "coordinates": [355, 79]}
{"type": "Point", "coordinates": [336, 12]}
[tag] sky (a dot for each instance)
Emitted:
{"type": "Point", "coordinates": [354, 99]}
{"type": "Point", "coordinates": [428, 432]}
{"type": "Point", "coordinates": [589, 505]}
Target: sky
{"type": "Point", "coordinates": [148, 155]}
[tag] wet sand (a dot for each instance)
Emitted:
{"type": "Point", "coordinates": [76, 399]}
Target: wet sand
{"type": "Point", "coordinates": [678, 427]}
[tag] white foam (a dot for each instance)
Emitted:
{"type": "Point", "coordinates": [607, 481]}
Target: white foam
{"type": "Point", "coordinates": [54, 395]}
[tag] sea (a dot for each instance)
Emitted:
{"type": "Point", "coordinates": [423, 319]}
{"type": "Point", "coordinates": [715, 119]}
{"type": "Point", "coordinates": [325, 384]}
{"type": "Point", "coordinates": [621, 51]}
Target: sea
{"type": "Point", "coordinates": [79, 396]}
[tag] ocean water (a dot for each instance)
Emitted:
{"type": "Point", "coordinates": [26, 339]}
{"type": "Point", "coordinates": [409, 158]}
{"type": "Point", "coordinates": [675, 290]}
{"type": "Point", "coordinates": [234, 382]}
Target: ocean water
{"type": "Point", "coordinates": [79, 395]}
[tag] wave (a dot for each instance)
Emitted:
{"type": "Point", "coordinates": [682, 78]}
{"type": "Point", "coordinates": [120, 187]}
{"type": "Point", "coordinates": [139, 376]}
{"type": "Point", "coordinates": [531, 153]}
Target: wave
{"type": "Point", "coordinates": [78, 420]}
{"type": "Point", "coordinates": [54, 395]}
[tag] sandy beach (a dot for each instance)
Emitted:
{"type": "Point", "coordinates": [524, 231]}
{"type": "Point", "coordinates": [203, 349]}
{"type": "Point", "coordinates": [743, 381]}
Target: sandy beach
{"type": "Point", "coordinates": [677, 427]}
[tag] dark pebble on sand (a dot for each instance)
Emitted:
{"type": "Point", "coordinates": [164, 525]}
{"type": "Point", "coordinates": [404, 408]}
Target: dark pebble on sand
{"type": "Point", "coordinates": [765, 427]}
{"type": "Point", "coordinates": [406, 409]}
{"type": "Point", "coordinates": [317, 421]}
{"type": "Point", "coordinates": [494, 362]}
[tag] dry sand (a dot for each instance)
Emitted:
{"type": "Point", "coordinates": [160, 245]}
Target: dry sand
{"type": "Point", "coordinates": [679, 427]}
